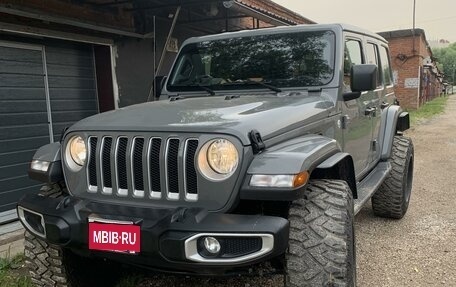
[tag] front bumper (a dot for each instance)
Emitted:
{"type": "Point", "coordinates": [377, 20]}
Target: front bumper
{"type": "Point", "coordinates": [169, 236]}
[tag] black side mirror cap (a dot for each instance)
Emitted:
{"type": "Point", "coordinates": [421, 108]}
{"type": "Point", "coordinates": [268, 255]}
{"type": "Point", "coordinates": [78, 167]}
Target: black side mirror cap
{"type": "Point", "coordinates": [364, 77]}
{"type": "Point", "coordinates": [351, 96]}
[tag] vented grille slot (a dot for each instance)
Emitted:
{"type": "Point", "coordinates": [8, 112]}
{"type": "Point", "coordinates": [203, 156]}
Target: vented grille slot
{"type": "Point", "coordinates": [172, 168]}
{"type": "Point", "coordinates": [137, 162]}
{"type": "Point", "coordinates": [106, 164]}
{"type": "Point", "coordinates": [121, 160]}
{"type": "Point", "coordinates": [154, 166]}
{"type": "Point", "coordinates": [149, 167]}
{"type": "Point", "coordinates": [92, 170]}
{"type": "Point", "coordinates": [191, 183]}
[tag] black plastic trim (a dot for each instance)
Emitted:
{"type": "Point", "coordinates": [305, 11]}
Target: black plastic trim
{"type": "Point", "coordinates": [163, 231]}
{"type": "Point", "coordinates": [403, 122]}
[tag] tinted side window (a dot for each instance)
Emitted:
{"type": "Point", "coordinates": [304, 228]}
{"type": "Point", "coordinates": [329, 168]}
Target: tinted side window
{"type": "Point", "coordinates": [353, 56]}
{"type": "Point", "coordinates": [372, 58]}
{"type": "Point", "coordinates": [386, 69]}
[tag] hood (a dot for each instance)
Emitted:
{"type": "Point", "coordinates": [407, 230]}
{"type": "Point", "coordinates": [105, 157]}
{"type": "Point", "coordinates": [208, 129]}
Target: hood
{"type": "Point", "coordinates": [269, 114]}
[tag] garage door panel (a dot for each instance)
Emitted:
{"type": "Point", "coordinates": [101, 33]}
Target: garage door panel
{"type": "Point", "coordinates": [27, 143]}
{"type": "Point", "coordinates": [31, 81]}
{"type": "Point", "coordinates": [87, 105]}
{"type": "Point", "coordinates": [8, 200]}
{"type": "Point", "coordinates": [24, 123]}
{"type": "Point", "coordinates": [19, 67]}
{"type": "Point", "coordinates": [15, 107]}
{"type": "Point", "coordinates": [57, 57]}
{"type": "Point", "coordinates": [73, 94]}
{"type": "Point", "coordinates": [13, 170]}
{"type": "Point", "coordinates": [71, 82]}
{"type": "Point", "coordinates": [24, 131]}
{"type": "Point", "coordinates": [20, 55]}
{"type": "Point", "coordinates": [22, 118]}
{"type": "Point", "coordinates": [21, 93]}
{"type": "Point", "coordinates": [15, 184]}
{"type": "Point", "coordinates": [18, 157]}
{"type": "Point", "coordinates": [62, 70]}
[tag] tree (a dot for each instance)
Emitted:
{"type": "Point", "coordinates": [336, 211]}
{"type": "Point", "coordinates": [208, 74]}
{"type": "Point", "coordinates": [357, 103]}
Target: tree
{"type": "Point", "coordinates": [446, 57]}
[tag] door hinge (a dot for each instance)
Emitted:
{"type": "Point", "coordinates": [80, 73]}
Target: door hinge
{"type": "Point", "coordinates": [256, 141]}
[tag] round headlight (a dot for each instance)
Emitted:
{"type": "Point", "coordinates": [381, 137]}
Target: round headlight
{"type": "Point", "coordinates": [222, 156]}
{"type": "Point", "coordinates": [77, 150]}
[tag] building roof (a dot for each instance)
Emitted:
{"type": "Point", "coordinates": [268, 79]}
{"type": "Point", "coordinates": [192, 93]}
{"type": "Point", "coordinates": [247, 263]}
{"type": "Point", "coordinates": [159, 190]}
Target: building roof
{"type": "Point", "coordinates": [402, 33]}
{"type": "Point", "coordinates": [396, 34]}
{"type": "Point", "coordinates": [275, 10]}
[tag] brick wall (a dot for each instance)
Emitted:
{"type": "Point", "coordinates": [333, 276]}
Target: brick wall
{"type": "Point", "coordinates": [407, 65]}
{"type": "Point", "coordinates": [404, 71]}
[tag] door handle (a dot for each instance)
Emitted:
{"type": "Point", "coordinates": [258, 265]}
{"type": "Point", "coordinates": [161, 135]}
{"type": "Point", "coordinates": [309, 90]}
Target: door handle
{"type": "Point", "coordinates": [384, 105]}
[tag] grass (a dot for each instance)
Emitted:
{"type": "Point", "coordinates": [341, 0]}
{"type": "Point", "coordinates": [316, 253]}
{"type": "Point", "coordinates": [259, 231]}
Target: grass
{"type": "Point", "coordinates": [13, 273]}
{"type": "Point", "coordinates": [428, 110]}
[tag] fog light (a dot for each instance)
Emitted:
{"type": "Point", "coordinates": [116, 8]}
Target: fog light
{"type": "Point", "coordinates": [212, 245]}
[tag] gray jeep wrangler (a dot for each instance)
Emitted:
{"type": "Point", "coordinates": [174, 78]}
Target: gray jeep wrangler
{"type": "Point", "coordinates": [261, 149]}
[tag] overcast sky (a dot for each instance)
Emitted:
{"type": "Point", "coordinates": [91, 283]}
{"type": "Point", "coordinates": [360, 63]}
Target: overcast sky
{"type": "Point", "coordinates": [436, 17]}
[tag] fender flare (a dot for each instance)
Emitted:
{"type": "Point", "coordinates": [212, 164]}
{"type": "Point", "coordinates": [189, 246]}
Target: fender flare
{"type": "Point", "coordinates": [391, 118]}
{"type": "Point", "coordinates": [291, 157]}
{"type": "Point", "coordinates": [48, 153]}
{"type": "Point", "coordinates": [339, 166]}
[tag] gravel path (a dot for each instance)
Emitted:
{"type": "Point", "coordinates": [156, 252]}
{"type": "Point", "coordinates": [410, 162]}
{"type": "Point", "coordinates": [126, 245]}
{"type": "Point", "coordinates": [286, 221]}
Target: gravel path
{"type": "Point", "coordinates": [420, 249]}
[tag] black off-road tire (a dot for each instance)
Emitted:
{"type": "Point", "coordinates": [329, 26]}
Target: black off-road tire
{"type": "Point", "coordinates": [392, 199]}
{"type": "Point", "coordinates": [45, 262]}
{"type": "Point", "coordinates": [322, 240]}
{"type": "Point", "coordinates": [54, 266]}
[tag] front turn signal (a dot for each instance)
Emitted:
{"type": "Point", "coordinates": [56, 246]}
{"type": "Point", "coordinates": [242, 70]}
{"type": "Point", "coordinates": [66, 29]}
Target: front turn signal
{"type": "Point", "coordinates": [300, 179]}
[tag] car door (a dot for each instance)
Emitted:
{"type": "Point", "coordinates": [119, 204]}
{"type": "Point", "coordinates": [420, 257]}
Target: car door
{"type": "Point", "coordinates": [358, 122]}
{"type": "Point", "coordinates": [374, 97]}
{"type": "Point", "coordinates": [385, 98]}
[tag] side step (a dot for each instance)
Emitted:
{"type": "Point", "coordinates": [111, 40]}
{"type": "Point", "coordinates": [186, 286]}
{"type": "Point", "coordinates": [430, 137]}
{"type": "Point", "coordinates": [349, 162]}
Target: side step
{"type": "Point", "coordinates": [369, 185]}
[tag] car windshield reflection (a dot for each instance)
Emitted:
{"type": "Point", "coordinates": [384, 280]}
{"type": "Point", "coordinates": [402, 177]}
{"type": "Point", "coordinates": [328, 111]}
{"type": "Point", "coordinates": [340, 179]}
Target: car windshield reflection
{"type": "Point", "coordinates": [276, 61]}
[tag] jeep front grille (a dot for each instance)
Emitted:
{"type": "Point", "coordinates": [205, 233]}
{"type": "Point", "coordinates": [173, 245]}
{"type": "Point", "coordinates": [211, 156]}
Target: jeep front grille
{"type": "Point", "coordinates": [135, 166]}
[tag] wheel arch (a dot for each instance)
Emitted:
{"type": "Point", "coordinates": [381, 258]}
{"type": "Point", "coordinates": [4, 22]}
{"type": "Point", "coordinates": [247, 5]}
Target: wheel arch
{"type": "Point", "coordinates": [394, 120]}
{"type": "Point", "coordinates": [319, 155]}
{"type": "Point", "coordinates": [338, 166]}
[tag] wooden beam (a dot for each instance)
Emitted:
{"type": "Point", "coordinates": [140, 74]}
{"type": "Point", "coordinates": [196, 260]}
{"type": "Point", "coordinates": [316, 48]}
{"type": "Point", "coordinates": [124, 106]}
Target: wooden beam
{"type": "Point", "coordinates": [63, 12]}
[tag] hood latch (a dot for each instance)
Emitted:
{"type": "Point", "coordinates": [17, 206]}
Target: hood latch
{"type": "Point", "coordinates": [257, 142]}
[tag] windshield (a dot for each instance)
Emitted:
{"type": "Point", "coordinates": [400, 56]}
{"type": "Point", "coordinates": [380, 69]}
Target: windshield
{"type": "Point", "coordinates": [284, 60]}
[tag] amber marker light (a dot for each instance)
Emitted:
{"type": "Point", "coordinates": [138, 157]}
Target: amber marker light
{"type": "Point", "coordinates": [300, 179]}
{"type": "Point", "coordinates": [280, 180]}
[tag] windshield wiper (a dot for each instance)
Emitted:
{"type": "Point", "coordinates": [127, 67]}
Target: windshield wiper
{"type": "Point", "coordinates": [209, 90]}
{"type": "Point", "coordinates": [271, 87]}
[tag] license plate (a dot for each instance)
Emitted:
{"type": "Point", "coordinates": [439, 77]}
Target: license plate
{"type": "Point", "coordinates": [115, 237]}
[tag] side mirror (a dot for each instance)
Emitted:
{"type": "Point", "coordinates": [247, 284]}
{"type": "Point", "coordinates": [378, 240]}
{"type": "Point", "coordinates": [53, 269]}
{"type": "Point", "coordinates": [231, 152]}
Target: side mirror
{"type": "Point", "coordinates": [159, 84]}
{"type": "Point", "coordinates": [363, 77]}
